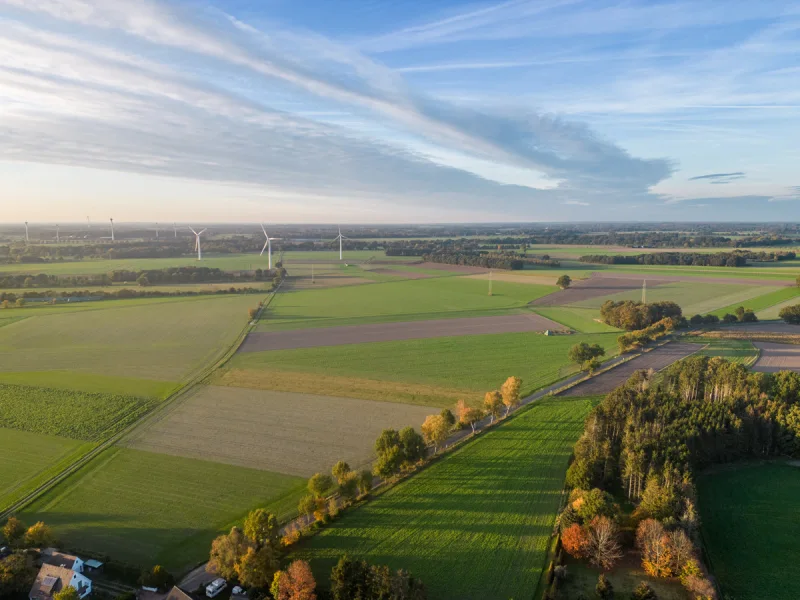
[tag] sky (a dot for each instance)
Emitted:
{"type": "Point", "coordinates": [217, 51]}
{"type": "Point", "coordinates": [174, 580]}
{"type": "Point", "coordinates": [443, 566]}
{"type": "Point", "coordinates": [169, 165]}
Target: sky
{"type": "Point", "coordinates": [378, 111]}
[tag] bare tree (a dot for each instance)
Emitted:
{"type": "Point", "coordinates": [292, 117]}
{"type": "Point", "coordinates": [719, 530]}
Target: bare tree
{"type": "Point", "coordinates": [604, 548]}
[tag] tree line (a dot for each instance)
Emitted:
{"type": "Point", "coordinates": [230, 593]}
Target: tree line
{"type": "Point", "coordinates": [646, 441]}
{"type": "Point", "coordinates": [632, 315]}
{"type": "Point", "coordinates": [508, 261]}
{"type": "Point", "coordinates": [737, 258]}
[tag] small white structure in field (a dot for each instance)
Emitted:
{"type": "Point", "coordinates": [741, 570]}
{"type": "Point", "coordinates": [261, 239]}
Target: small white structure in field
{"type": "Point", "coordinates": [214, 588]}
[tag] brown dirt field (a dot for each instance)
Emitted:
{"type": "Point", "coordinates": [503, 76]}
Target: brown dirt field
{"type": "Point", "coordinates": [366, 389]}
{"type": "Point", "coordinates": [453, 268]}
{"type": "Point", "coordinates": [514, 278]}
{"type": "Point", "coordinates": [322, 281]}
{"type": "Point", "coordinates": [777, 357]}
{"type": "Point", "coordinates": [389, 332]}
{"type": "Point", "coordinates": [593, 287]}
{"type": "Point", "coordinates": [656, 359]}
{"type": "Point", "coordinates": [403, 274]}
{"type": "Point", "coordinates": [297, 434]}
{"type": "Point", "coordinates": [774, 328]}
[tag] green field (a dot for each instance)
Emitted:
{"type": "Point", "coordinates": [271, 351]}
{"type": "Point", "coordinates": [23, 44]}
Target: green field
{"type": "Point", "coordinates": [579, 319]}
{"type": "Point", "coordinates": [773, 312]}
{"type": "Point", "coordinates": [693, 298]}
{"type": "Point", "coordinates": [406, 300]}
{"type": "Point", "coordinates": [456, 367]}
{"type": "Point", "coordinates": [475, 524]}
{"type": "Point", "coordinates": [29, 457]}
{"type": "Point", "coordinates": [145, 508]}
{"type": "Point", "coordinates": [738, 351]}
{"type": "Point", "coordinates": [751, 529]}
{"type": "Point", "coordinates": [760, 304]}
{"type": "Point", "coordinates": [67, 413]}
{"type": "Point", "coordinates": [164, 341]}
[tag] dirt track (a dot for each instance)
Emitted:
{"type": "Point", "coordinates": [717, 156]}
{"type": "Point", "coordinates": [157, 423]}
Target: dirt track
{"type": "Point", "coordinates": [777, 357]}
{"type": "Point", "coordinates": [655, 359]}
{"type": "Point", "coordinates": [390, 332]}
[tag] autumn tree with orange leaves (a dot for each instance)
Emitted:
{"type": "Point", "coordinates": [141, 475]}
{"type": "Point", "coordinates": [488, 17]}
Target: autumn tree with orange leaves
{"type": "Point", "coordinates": [468, 415]}
{"type": "Point", "coordinates": [295, 583]}
{"type": "Point", "coordinates": [575, 541]}
{"type": "Point", "coordinates": [510, 393]}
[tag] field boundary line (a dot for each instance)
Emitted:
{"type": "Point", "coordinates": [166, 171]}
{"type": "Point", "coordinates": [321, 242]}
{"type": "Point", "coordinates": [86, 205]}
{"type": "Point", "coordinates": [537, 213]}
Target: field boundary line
{"type": "Point", "coordinates": [182, 390]}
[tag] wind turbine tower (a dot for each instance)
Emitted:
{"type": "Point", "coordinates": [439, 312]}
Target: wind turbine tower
{"type": "Point", "coordinates": [27, 239]}
{"type": "Point", "coordinates": [112, 229]}
{"type": "Point", "coordinates": [175, 229]}
{"type": "Point", "coordinates": [88, 224]}
{"type": "Point", "coordinates": [58, 239]}
{"type": "Point", "coordinates": [339, 238]}
{"type": "Point", "coordinates": [267, 246]}
{"type": "Point", "coordinates": [197, 235]}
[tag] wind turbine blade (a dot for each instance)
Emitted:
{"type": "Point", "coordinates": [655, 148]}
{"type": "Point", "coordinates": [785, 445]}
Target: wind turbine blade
{"type": "Point", "coordinates": [204, 230]}
{"type": "Point", "coordinates": [264, 230]}
{"type": "Point", "coordinates": [264, 248]}
{"type": "Point", "coordinates": [193, 231]}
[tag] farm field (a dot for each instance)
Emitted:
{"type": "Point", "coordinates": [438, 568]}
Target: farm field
{"type": "Point", "coordinates": [777, 357]}
{"type": "Point", "coordinates": [76, 415]}
{"type": "Point", "coordinates": [178, 287]}
{"type": "Point", "coordinates": [165, 341]}
{"type": "Point", "coordinates": [283, 432]}
{"type": "Point", "coordinates": [476, 524]}
{"type": "Point", "coordinates": [738, 351]}
{"type": "Point", "coordinates": [693, 298]}
{"type": "Point", "coordinates": [584, 320]}
{"type": "Point", "coordinates": [27, 457]}
{"type": "Point", "coordinates": [146, 508]}
{"type": "Point", "coordinates": [750, 529]}
{"type": "Point", "coordinates": [761, 305]}
{"type": "Point", "coordinates": [226, 262]}
{"type": "Point", "coordinates": [455, 367]}
{"type": "Point", "coordinates": [778, 274]}
{"type": "Point", "coordinates": [409, 300]}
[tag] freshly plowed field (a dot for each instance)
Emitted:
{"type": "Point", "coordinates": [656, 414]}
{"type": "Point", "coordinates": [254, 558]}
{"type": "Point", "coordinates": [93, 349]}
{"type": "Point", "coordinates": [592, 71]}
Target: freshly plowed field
{"type": "Point", "coordinates": [588, 289]}
{"type": "Point", "coordinates": [388, 332]}
{"type": "Point", "coordinates": [476, 524]}
{"type": "Point", "coordinates": [655, 359]}
{"type": "Point", "coordinates": [299, 434]}
{"type": "Point", "coordinates": [777, 357]}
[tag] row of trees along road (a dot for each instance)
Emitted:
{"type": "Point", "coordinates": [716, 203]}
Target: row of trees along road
{"type": "Point", "coordinates": [648, 440]}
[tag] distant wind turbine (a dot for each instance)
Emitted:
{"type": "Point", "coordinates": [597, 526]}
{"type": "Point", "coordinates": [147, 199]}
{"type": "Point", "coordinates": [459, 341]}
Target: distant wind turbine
{"type": "Point", "coordinates": [27, 239]}
{"type": "Point", "coordinates": [267, 246]}
{"type": "Point", "coordinates": [58, 239]}
{"type": "Point", "coordinates": [339, 238]}
{"type": "Point", "coordinates": [197, 235]}
{"type": "Point", "coordinates": [175, 229]}
{"type": "Point", "coordinates": [88, 223]}
{"type": "Point", "coordinates": [112, 229]}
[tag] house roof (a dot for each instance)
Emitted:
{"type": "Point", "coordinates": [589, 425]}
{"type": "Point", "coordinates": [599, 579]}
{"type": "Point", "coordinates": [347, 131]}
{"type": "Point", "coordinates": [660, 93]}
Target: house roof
{"type": "Point", "coordinates": [51, 579]}
{"type": "Point", "coordinates": [51, 556]}
{"type": "Point", "coordinates": [93, 564]}
{"type": "Point", "coordinates": [177, 593]}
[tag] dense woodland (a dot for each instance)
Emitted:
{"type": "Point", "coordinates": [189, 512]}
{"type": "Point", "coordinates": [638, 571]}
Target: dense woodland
{"type": "Point", "coordinates": [631, 315]}
{"type": "Point", "coordinates": [490, 261]}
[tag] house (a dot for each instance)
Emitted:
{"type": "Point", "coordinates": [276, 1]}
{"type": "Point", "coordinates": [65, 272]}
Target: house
{"type": "Point", "coordinates": [51, 556]}
{"type": "Point", "coordinates": [52, 579]}
{"type": "Point", "coordinates": [177, 593]}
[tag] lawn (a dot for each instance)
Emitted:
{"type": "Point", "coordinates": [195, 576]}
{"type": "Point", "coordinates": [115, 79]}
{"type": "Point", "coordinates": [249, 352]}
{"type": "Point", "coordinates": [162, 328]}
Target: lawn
{"type": "Point", "coordinates": [693, 298]}
{"type": "Point", "coordinates": [435, 372]}
{"type": "Point", "coordinates": [166, 341]}
{"type": "Point", "coordinates": [760, 304]}
{"type": "Point", "coordinates": [29, 457]}
{"type": "Point", "coordinates": [145, 508]}
{"type": "Point", "coordinates": [476, 524]}
{"type": "Point", "coordinates": [407, 300]}
{"type": "Point", "coordinates": [738, 351]}
{"type": "Point", "coordinates": [77, 415]}
{"type": "Point", "coordinates": [579, 319]}
{"type": "Point", "coordinates": [751, 529]}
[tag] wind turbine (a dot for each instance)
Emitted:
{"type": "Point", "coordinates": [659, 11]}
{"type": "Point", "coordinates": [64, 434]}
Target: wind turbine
{"type": "Point", "coordinates": [112, 229]}
{"type": "Point", "coordinates": [267, 246]}
{"type": "Point", "coordinates": [58, 239]}
{"type": "Point", "coordinates": [197, 235]}
{"type": "Point", "coordinates": [175, 229]}
{"type": "Point", "coordinates": [27, 239]}
{"type": "Point", "coordinates": [339, 238]}
{"type": "Point", "coordinates": [88, 224]}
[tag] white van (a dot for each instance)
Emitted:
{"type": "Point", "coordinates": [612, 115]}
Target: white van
{"type": "Point", "coordinates": [214, 588]}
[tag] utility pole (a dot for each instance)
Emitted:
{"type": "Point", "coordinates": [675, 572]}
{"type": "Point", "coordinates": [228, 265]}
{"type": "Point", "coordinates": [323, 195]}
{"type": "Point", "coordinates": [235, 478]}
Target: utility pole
{"type": "Point", "coordinates": [312, 274]}
{"type": "Point", "coordinates": [644, 291]}
{"type": "Point", "coordinates": [490, 282]}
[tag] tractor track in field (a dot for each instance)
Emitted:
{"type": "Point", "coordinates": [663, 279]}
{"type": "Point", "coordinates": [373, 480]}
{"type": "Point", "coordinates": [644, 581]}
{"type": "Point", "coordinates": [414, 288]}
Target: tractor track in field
{"type": "Point", "coordinates": [185, 390]}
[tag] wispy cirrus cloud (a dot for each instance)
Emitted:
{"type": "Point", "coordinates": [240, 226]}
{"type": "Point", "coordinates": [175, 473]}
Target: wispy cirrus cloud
{"type": "Point", "coordinates": [719, 178]}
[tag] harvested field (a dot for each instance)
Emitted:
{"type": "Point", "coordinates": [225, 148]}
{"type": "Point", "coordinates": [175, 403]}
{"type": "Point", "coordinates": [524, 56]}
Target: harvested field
{"type": "Point", "coordinates": [593, 287]}
{"type": "Point", "coordinates": [658, 279]}
{"type": "Point", "coordinates": [656, 359]}
{"type": "Point", "coordinates": [282, 432]}
{"type": "Point", "coordinates": [453, 268]}
{"type": "Point", "coordinates": [389, 332]}
{"type": "Point", "coordinates": [773, 328]}
{"type": "Point", "coordinates": [324, 280]}
{"type": "Point", "coordinates": [777, 357]}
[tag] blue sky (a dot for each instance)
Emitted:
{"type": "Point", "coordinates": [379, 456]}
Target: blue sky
{"type": "Point", "coordinates": [375, 111]}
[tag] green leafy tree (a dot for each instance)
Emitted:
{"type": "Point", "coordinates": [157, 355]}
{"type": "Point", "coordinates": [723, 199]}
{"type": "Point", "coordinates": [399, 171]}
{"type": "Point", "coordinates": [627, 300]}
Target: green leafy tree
{"type": "Point", "coordinates": [449, 417]}
{"type": "Point", "coordinates": [364, 482]}
{"type": "Point", "coordinates": [564, 282]}
{"type": "Point", "coordinates": [307, 505]}
{"type": "Point", "coordinates": [319, 484]}
{"type": "Point", "coordinates": [262, 528]}
{"type": "Point", "coordinates": [39, 535]}
{"type": "Point", "coordinates": [257, 568]}
{"type": "Point", "coordinates": [16, 576]}
{"type": "Point", "coordinates": [226, 552]}
{"type": "Point", "coordinates": [583, 353]}
{"type": "Point", "coordinates": [413, 445]}
{"type": "Point", "coordinates": [790, 314]}
{"type": "Point", "coordinates": [388, 463]}
{"type": "Point", "coordinates": [67, 593]}
{"type": "Point", "coordinates": [157, 577]}
{"type": "Point", "coordinates": [13, 530]}
{"type": "Point", "coordinates": [340, 471]}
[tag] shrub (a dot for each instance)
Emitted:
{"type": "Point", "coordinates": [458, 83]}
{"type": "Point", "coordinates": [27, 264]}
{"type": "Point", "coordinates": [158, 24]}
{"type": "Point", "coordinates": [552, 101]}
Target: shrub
{"type": "Point", "coordinates": [604, 589]}
{"type": "Point", "coordinates": [643, 592]}
{"type": "Point", "coordinates": [729, 318]}
{"type": "Point", "coordinates": [790, 314]}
